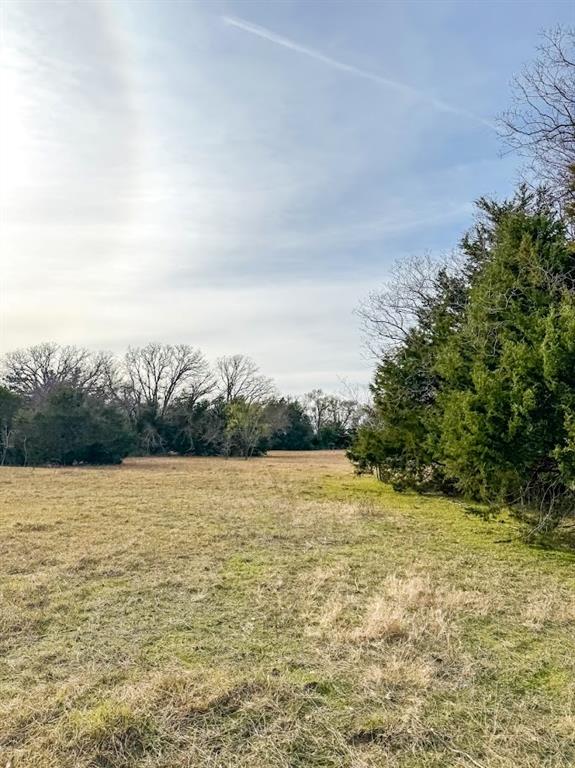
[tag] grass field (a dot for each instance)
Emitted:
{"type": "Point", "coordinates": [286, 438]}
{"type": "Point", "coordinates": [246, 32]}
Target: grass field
{"type": "Point", "coordinates": [271, 613]}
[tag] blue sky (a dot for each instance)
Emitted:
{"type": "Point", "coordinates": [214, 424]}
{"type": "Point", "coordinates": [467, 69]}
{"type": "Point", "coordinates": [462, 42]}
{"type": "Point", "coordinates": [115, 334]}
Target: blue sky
{"type": "Point", "coordinates": [239, 175]}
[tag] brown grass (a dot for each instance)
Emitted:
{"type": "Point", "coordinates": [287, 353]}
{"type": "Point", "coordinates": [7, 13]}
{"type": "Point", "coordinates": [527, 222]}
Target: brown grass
{"type": "Point", "coordinates": [273, 613]}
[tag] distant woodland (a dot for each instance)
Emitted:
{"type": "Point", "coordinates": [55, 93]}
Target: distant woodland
{"type": "Point", "coordinates": [67, 405]}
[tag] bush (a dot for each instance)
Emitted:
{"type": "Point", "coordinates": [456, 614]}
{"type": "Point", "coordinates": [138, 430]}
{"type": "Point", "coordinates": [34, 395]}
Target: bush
{"type": "Point", "coordinates": [70, 427]}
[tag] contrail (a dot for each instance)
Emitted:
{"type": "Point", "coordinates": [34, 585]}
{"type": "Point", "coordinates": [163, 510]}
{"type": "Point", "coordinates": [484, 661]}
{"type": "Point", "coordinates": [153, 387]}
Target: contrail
{"type": "Point", "coordinates": [408, 90]}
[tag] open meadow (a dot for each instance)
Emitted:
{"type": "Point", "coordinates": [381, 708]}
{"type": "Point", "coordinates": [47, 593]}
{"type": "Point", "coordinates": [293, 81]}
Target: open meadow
{"type": "Point", "coordinates": [276, 612]}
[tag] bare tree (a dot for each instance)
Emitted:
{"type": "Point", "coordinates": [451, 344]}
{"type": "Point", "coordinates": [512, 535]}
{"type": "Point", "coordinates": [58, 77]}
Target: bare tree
{"type": "Point", "coordinates": [359, 393]}
{"type": "Point", "coordinates": [239, 378]}
{"type": "Point", "coordinates": [344, 413]}
{"type": "Point", "coordinates": [6, 435]}
{"type": "Point", "coordinates": [36, 370]}
{"type": "Point", "coordinates": [388, 315]}
{"type": "Point", "coordinates": [158, 373]}
{"type": "Point", "coordinates": [317, 406]}
{"type": "Point", "coordinates": [541, 124]}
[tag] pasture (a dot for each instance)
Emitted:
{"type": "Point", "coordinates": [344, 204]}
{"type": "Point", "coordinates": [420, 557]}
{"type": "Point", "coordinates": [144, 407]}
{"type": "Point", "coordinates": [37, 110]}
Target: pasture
{"type": "Point", "coordinates": [273, 613]}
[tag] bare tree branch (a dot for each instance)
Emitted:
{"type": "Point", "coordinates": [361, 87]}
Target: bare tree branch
{"type": "Point", "coordinates": [239, 378]}
{"type": "Point", "coordinates": [157, 373]}
{"type": "Point", "coordinates": [541, 124]}
{"type": "Point", "coordinates": [389, 314]}
{"type": "Point", "coordinates": [37, 370]}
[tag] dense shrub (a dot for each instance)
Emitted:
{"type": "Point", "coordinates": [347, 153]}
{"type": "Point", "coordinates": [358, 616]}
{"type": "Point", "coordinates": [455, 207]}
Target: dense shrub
{"type": "Point", "coordinates": [69, 426]}
{"type": "Point", "coordinates": [293, 430]}
{"type": "Point", "coordinates": [479, 394]}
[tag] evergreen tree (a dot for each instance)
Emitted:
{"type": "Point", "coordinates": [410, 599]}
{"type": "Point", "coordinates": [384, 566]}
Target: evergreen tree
{"type": "Point", "coordinates": [479, 394]}
{"type": "Point", "coordinates": [69, 426]}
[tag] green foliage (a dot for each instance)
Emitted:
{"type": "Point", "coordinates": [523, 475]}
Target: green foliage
{"type": "Point", "coordinates": [502, 422]}
{"type": "Point", "coordinates": [243, 427]}
{"type": "Point", "coordinates": [334, 420]}
{"type": "Point", "coordinates": [246, 426]}
{"type": "Point", "coordinates": [368, 451]}
{"type": "Point", "coordinates": [400, 442]}
{"type": "Point", "coordinates": [69, 426]}
{"type": "Point", "coordinates": [294, 431]}
{"type": "Point", "coordinates": [165, 396]}
{"type": "Point", "coordinates": [209, 428]}
{"type": "Point", "coordinates": [9, 406]}
{"type": "Point", "coordinates": [480, 393]}
{"type": "Point", "coordinates": [196, 428]}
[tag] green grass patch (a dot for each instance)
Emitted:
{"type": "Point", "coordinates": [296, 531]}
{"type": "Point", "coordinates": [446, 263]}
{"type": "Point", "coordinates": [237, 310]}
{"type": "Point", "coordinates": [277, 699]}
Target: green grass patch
{"type": "Point", "coordinates": [272, 614]}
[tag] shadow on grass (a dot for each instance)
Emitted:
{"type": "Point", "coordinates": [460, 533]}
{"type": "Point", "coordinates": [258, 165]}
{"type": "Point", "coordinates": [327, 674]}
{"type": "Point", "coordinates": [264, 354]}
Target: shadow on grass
{"type": "Point", "coordinates": [489, 514]}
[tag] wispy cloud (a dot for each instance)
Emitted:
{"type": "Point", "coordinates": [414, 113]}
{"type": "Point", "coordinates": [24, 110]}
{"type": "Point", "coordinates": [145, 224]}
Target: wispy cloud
{"type": "Point", "coordinates": [312, 53]}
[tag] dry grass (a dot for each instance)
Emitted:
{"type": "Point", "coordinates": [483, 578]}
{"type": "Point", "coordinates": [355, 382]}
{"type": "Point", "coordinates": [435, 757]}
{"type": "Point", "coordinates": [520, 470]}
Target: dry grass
{"type": "Point", "coordinates": [274, 613]}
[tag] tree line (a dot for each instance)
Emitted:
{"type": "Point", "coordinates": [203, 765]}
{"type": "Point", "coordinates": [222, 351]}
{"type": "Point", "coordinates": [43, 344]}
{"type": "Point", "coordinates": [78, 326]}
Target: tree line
{"type": "Point", "coordinates": [67, 405]}
{"type": "Point", "coordinates": [474, 390]}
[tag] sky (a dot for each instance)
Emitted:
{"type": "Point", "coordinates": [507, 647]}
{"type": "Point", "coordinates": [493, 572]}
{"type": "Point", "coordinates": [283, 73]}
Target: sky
{"type": "Point", "coordinates": [240, 175]}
